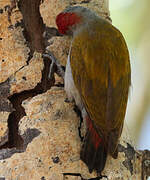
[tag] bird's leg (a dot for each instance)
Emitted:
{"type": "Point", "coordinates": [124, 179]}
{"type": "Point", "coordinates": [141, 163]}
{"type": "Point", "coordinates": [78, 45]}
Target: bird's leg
{"type": "Point", "coordinates": [54, 63]}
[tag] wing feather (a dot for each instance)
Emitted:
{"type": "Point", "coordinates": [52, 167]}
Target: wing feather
{"type": "Point", "coordinates": [101, 72]}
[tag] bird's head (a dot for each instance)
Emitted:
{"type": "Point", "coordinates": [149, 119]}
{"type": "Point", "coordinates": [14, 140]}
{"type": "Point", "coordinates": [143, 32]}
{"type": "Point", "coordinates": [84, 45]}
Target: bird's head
{"type": "Point", "coordinates": [72, 18]}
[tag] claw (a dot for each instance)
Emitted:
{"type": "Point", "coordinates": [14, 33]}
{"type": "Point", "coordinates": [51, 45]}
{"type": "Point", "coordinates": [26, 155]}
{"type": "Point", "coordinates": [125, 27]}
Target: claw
{"type": "Point", "coordinates": [51, 71]}
{"type": "Point", "coordinates": [60, 70]}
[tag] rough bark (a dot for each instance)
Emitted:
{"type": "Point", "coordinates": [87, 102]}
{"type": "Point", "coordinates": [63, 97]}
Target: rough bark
{"type": "Point", "coordinates": [42, 140]}
{"type": "Point", "coordinates": [33, 22]}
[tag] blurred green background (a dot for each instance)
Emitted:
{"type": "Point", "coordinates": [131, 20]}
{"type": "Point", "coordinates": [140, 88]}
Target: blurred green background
{"type": "Point", "coordinates": [132, 18]}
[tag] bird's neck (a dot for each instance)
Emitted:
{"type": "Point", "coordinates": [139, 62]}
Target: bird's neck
{"type": "Point", "coordinates": [85, 25]}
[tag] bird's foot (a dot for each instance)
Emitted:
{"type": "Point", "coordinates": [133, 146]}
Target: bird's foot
{"type": "Point", "coordinates": [54, 62]}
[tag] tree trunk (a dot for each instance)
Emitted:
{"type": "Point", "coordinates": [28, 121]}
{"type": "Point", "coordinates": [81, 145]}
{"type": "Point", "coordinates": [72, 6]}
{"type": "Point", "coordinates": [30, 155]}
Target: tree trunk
{"type": "Point", "coordinates": [39, 131]}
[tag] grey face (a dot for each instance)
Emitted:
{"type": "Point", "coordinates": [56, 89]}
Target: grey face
{"type": "Point", "coordinates": [81, 11]}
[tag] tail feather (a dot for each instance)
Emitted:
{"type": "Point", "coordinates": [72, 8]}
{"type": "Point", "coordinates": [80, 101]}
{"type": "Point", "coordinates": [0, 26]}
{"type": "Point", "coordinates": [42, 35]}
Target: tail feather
{"type": "Point", "coordinates": [94, 158]}
{"type": "Point", "coordinates": [93, 151]}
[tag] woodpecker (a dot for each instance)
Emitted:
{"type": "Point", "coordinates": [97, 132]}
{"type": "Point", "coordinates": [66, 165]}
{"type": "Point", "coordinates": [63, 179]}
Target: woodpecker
{"type": "Point", "coordinates": [97, 78]}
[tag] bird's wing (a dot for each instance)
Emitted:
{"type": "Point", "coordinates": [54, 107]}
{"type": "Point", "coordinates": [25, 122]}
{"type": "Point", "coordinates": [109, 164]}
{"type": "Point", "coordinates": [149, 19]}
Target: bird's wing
{"type": "Point", "coordinates": [101, 72]}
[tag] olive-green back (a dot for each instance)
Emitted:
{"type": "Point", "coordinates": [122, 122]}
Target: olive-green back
{"type": "Point", "coordinates": [101, 72]}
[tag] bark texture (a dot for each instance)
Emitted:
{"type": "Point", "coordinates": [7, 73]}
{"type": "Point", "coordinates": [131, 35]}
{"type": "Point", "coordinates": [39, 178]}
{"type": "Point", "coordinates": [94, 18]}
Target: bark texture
{"type": "Point", "coordinates": [39, 134]}
{"type": "Point", "coordinates": [33, 22]}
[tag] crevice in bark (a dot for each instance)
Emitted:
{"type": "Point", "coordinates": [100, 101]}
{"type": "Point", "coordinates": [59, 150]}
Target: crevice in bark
{"type": "Point", "coordinates": [33, 22]}
{"type": "Point", "coordinates": [33, 33]}
{"type": "Point", "coordinates": [130, 154]}
{"type": "Point", "coordinates": [14, 139]}
{"type": "Point", "coordinates": [78, 112]}
{"type": "Point", "coordinates": [28, 136]}
{"type": "Point", "coordinates": [85, 1]}
{"type": "Point", "coordinates": [79, 175]}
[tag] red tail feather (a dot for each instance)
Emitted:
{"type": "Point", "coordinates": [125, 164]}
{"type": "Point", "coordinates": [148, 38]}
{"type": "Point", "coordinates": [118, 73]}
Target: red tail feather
{"type": "Point", "coordinates": [93, 152]}
{"type": "Point", "coordinates": [95, 136]}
